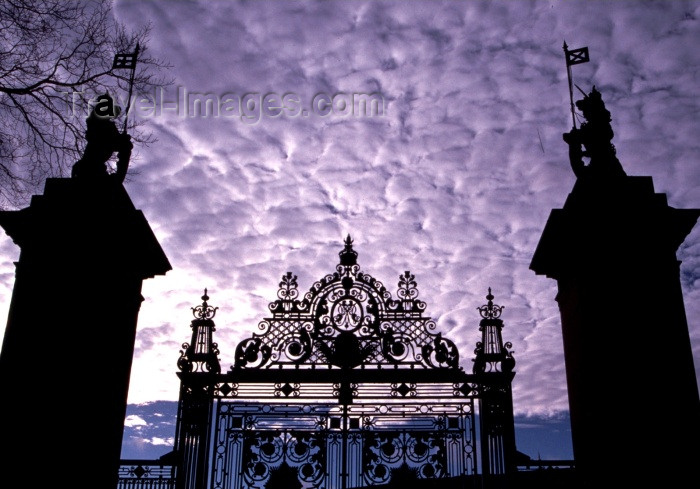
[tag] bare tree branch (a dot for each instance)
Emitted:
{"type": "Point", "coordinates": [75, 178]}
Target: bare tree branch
{"type": "Point", "coordinates": [55, 59]}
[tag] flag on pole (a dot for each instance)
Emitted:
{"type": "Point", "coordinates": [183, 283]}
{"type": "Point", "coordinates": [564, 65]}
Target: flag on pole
{"type": "Point", "coordinates": [577, 56]}
{"type": "Point", "coordinates": [574, 57]}
{"type": "Point", "coordinates": [127, 61]}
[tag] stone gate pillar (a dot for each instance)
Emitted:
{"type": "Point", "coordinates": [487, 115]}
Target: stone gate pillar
{"type": "Point", "coordinates": [67, 352]}
{"type": "Point", "coordinates": [633, 395]}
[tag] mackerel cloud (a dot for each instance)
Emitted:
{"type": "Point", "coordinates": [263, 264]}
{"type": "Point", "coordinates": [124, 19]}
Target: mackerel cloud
{"type": "Point", "coordinates": [454, 180]}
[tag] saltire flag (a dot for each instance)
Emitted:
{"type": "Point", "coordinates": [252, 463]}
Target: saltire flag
{"type": "Point", "coordinates": [124, 61]}
{"type": "Point", "coordinates": [577, 56]}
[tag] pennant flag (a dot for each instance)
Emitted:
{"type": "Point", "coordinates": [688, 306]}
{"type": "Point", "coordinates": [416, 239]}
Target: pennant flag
{"type": "Point", "coordinates": [124, 61]}
{"type": "Point", "coordinates": [577, 56]}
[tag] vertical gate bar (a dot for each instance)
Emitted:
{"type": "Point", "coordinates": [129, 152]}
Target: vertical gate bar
{"type": "Point", "coordinates": [344, 448]}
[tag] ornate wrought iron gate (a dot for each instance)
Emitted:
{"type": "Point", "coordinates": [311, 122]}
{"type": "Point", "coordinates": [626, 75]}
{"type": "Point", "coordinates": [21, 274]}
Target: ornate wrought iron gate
{"type": "Point", "coordinates": [345, 387]}
{"type": "Point", "coordinates": [322, 446]}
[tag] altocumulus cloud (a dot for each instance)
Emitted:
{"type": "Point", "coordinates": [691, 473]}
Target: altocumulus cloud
{"type": "Point", "coordinates": [454, 181]}
{"type": "Point", "coordinates": [149, 429]}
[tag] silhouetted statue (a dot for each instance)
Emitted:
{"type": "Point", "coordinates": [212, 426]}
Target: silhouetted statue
{"type": "Point", "coordinates": [65, 235]}
{"type": "Point", "coordinates": [103, 139]}
{"type": "Point", "coordinates": [593, 140]}
{"type": "Point", "coordinates": [612, 250]}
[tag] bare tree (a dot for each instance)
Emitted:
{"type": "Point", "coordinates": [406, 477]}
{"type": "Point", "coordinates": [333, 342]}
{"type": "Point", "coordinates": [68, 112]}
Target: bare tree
{"type": "Point", "coordinates": [55, 58]}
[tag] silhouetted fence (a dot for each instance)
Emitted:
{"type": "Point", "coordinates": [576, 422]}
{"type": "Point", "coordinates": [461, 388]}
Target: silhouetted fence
{"type": "Point", "coordinates": [146, 474]}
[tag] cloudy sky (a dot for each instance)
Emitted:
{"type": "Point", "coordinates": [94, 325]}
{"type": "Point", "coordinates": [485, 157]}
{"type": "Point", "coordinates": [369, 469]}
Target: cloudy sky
{"type": "Point", "coordinates": [454, 180]}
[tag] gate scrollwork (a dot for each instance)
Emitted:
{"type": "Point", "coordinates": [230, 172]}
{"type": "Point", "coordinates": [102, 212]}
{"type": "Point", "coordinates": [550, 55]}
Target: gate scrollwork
{"type": "Point", "coordinates": [385, 452]}
{"type": "Point", "coordinates": [347, 319]}
{"type": "Point", "coordinates": [266, 451]}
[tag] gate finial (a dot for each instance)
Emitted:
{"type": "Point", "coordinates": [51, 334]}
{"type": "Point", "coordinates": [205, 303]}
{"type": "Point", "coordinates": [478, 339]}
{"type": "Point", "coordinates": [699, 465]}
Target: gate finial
{"type": "Point", "coordinates": [202, 354]}
{"type": "Point", "coordinates": [348, 256]}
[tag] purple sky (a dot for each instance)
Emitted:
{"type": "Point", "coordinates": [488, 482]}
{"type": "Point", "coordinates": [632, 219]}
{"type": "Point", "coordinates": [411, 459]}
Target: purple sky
{"type": "Point", "coordinates": [454, 181]}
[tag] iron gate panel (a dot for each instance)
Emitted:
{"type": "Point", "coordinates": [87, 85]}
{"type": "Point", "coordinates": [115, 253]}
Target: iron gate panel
{"type": "Point", "coordinates": [318, 443]}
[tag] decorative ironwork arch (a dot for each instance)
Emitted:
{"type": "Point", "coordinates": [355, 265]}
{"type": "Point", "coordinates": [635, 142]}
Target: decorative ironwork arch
{"type": "Point", "coordinates": [345, 386]}
{"type": "Point", "coordinates": [347, 319]}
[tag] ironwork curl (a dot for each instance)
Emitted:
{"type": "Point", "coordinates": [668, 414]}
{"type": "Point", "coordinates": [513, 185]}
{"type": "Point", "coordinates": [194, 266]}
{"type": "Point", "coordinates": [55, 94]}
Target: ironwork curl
{"type": "Point", "coordinates": [396, 347]}
{"type": "Point", "coordinates": [287, 453]}
{"type": "Point", "coordinates": [287, 390]}
{"type": "Point", "coordinates": [183, 363]}
{"type": "Point", "coordinates": [403, 389]}
{"type": "Point", "coordinates": [441, 353]}
{"type": "Point", "coordinates": [338, 389]}
{"type": "Point", "coordinates": [418, 448]}
{"type": "Point", "coordinates": [252, 353]}
{"type": "Point", "coordinates": [386, 453]}
{"type": "Point", "coordinates": [296, 347]}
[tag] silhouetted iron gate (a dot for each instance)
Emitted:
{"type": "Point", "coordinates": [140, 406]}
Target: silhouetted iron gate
{"type": "Point", "coordinates": [321, 442]}
{"type": "Point", "coordinates": [346, 387]}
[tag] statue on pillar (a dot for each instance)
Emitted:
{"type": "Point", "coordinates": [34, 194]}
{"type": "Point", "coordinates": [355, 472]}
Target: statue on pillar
{"type": "Point", "coordinates": [103, 140]}
{"type": "Point", "coordinates": [593, 140]}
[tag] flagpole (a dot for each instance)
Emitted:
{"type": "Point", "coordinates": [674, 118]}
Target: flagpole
{"type": "Point", "coordinates": [571, 86]}
{"type": "Point", "coordinates": [131, 86]}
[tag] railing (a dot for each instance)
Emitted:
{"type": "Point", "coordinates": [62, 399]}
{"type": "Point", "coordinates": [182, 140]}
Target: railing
{"type": "Point", "coordinates": [146, 474]}
{"type": "Point", "coordinates": [545, 464]}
